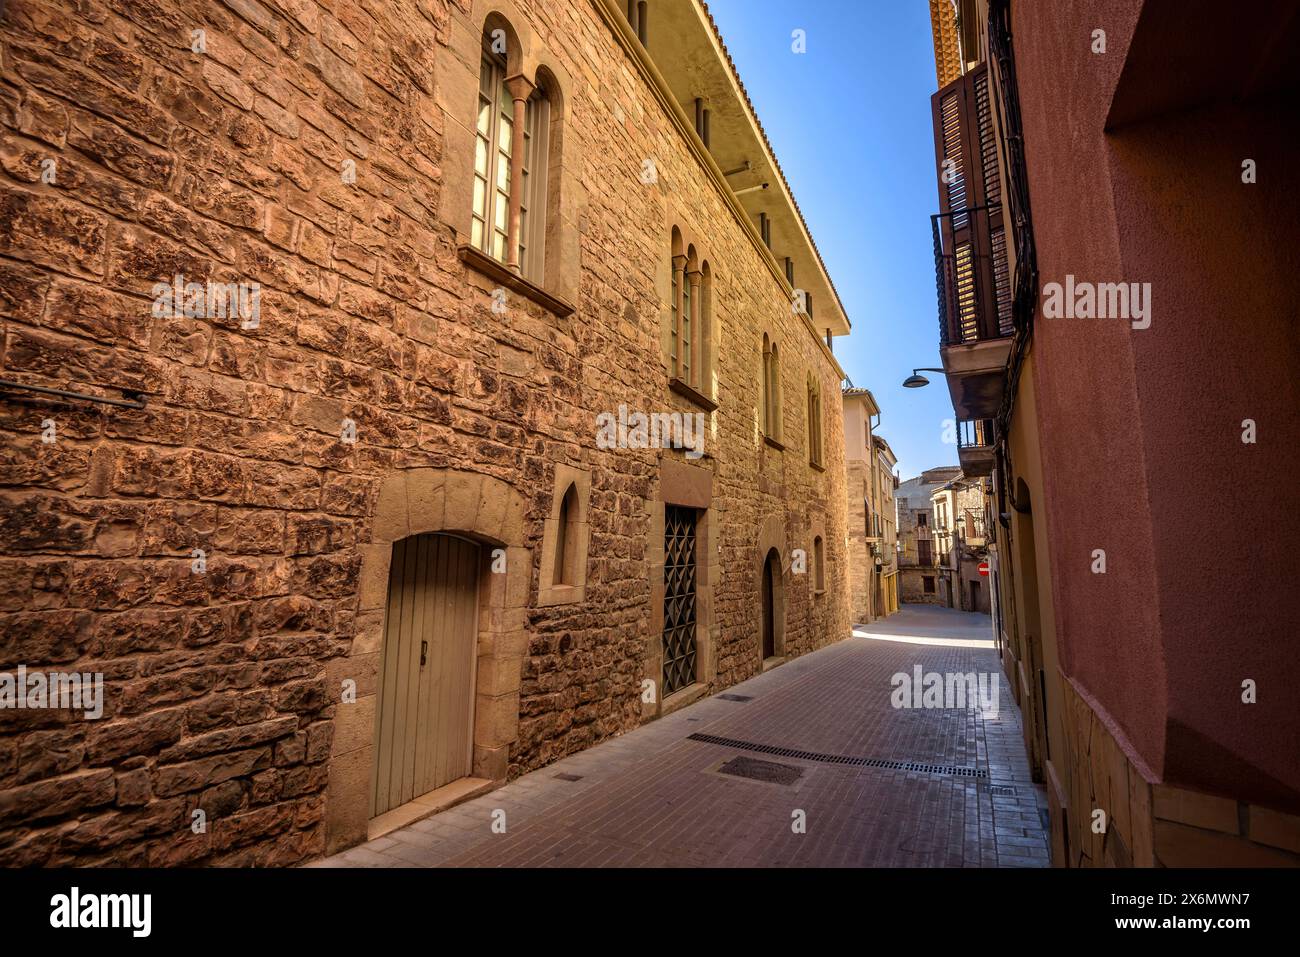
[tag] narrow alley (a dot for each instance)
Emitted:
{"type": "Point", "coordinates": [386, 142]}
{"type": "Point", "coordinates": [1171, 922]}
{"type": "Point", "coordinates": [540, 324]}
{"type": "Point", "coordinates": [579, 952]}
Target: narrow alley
{"type": "Point", "coordinates": [723, 782]}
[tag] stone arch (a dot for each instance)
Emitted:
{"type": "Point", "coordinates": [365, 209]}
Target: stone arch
{"type": "Point", "coordinates": [413, 502]}
{"type": "Point", "coordinates": [771, 538]}
{"type": "Point", "coordinates": [516, 45]}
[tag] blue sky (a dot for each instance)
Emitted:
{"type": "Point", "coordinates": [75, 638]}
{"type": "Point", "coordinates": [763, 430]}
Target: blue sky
{"type": "Point", "coordinates": [850, 123]}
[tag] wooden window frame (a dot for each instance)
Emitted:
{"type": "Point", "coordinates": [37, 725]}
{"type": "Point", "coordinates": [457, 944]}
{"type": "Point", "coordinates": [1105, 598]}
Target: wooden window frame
{"type": "Point", "coordinates": [690, 347]}
{"type": "Point", "coordinates": [815, 425]}
{"type": "Point", "coordinates": [508, 224]}
{"type": "Point", "coordinates": [771, 392]}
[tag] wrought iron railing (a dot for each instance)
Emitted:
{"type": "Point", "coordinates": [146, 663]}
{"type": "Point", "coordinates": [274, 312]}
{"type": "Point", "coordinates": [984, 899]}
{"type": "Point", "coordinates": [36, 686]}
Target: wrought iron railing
{"type": "Point", "coordinates": [975, 434]}
{"type": "Point", "coordinates": [971, 274]}
{"type": "Point", "coordinates": [1025, 282]}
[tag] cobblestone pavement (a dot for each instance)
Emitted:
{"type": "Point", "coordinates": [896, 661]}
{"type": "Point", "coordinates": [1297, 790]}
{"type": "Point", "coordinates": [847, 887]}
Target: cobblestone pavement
{"type": "Point", "coordinates": [653, 797]}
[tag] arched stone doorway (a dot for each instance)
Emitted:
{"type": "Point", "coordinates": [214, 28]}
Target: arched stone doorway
{"type": "Point", "coordinates": [773, 605]}
{"type": "Point", "coordinates": [770, 644]}
{"type": "Point", "coordinates": [432, 505]}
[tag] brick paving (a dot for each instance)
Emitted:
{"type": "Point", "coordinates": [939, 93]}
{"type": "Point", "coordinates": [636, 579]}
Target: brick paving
{"type": "Point", "coordinates": [653, 798]}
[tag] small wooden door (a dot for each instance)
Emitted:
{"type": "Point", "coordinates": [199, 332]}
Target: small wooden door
{"type": "Point", "coordinates": [425, 725]}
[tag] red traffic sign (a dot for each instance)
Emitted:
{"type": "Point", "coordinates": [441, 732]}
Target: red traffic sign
{"type": "Point", "coordinates": [984, 568]}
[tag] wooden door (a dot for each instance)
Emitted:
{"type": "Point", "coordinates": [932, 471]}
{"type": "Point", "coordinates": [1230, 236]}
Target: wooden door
{"type": "Point", "coordinates": [425, 709]}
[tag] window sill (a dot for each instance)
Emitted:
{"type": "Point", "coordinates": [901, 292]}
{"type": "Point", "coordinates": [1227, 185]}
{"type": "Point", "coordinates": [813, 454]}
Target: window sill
{"type": "Point", "coordinates": [818, 466]}
{"type": "Point", "coordinates": [681, 698]}
{"type": "Point", "coordinates": [561, 594]}
{"type": "Point", "coordinates": [693, 394]}
{"type": "Point", "coordinates": [768, 440]}
{"type": "Point", "coordinates": [482, 263]}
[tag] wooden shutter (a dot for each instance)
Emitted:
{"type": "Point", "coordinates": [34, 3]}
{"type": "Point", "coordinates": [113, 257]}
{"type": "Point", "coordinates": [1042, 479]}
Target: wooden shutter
{"type": "Point", "coordinates": [972, 231]}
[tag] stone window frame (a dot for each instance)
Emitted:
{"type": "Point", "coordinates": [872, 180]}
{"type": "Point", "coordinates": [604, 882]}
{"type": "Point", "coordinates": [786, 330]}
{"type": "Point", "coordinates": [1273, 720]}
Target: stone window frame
{"type": "Point", "coordinates": [818, 556]}
{"type": "Point", "coordinates": [687, 275]}
{"type": "Point", "coordinates": [530, 65]}
{"type": "Point", "coordinates": [524, 239]}
{"type": "Point", "coordinates": [413, 502]}
{"type": "Point", "coordinates": [771, 535]}
{"type": "Point", "coordinates": [549, 592]}
{"type": "Point", "coordinates": [816, 424]}
{"type": "Point", "coordinates": [771, 407]}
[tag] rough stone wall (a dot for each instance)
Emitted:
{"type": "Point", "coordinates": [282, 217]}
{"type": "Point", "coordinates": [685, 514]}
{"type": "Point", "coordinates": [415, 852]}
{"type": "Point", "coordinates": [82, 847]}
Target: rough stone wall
{"type": "Point", "coordinates": [225, 165]}
{"type": "Point", "coordinates": [911, 586]}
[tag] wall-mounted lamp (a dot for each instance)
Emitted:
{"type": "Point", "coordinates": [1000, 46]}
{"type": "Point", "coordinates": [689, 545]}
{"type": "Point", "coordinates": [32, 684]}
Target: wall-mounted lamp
{"type": "Point", "coordinates": [916, 381]}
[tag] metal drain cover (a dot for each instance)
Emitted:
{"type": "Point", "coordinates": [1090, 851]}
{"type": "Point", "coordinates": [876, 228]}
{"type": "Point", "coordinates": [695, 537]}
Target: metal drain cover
{"type": "Point", "coordinates": [736, 697]}
{"type": "Point", "coordinates": [566, 776]}
{"type": "Point", "coordinates": [769, 771]}
{"type": "Point", "coordinates": [841, 759]}
{"type": "Point", "coordinates": [1001, 789]}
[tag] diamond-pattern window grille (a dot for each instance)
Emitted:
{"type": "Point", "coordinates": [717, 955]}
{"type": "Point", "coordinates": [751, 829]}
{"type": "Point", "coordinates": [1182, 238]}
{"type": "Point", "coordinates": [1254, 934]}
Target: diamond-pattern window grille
{"type": "Point", "coordinates": [679, 598]}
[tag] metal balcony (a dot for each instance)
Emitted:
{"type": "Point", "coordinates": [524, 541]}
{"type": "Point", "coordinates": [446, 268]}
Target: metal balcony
{"type": "Point", "coordinates": [976, 441]}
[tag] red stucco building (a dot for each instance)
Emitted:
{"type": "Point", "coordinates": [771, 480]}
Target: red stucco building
{"type": "Point", "coordinates": [1117, 288]}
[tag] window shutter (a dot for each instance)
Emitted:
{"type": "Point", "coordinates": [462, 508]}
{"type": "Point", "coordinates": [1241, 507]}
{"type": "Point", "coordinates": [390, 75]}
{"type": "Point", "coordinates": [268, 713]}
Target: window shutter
{"type": "Point", "coordinates": [971, 235]}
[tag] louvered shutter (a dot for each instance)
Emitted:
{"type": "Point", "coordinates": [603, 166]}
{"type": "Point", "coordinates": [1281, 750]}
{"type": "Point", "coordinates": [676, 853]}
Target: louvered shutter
{"type": "Point", "coordinates": [972, 232]}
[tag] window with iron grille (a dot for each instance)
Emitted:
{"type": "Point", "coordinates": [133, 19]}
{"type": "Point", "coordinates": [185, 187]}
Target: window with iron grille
{"type": "Point", "coordinates": [679, 598]}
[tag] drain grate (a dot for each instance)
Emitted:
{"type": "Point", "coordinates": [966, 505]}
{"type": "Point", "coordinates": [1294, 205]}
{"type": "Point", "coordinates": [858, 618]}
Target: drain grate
{"type": "Point", "coordinates": [1001, 789]}
{"type": "Point", "coordinates": [736, 697]}
{"type": "Point", "coordinates": [566, 776]}
{"type": "Point", "coordinates": [842, 759]}
{"type": "Point", "coordinates": [768, 771]}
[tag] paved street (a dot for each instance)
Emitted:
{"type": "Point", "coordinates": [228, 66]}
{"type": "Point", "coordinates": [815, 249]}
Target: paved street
{"type": "Point", "coordinates": [930, 787]}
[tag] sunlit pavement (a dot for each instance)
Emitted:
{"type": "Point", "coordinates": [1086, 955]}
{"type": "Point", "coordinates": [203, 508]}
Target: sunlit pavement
{"type": "Point", "coordinates": [872, 785]}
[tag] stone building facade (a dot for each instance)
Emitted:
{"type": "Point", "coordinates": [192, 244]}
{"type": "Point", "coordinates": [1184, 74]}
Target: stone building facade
{"type": "Point", "coordinates": [430, 403]}
{"type": "Point", "coordinates": [918, 548]}
{"type": "Point", "coordinates": [885, 511]}
{"type": "Point", "coordinates": [958, 507]}
{"type": "Point", "coordinates": [871, 520]}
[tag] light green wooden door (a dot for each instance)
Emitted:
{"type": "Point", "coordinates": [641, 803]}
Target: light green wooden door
{"type": "Point", "coordinates": [425, 713]}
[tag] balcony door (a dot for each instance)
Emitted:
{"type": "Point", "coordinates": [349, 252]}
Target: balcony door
{"type": "Point", "coordinates": [970, 232]}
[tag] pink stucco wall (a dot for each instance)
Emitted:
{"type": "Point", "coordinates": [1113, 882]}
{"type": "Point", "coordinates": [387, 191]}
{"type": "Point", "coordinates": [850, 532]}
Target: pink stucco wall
{"type": "Point", "coordinates": [1141, 428]}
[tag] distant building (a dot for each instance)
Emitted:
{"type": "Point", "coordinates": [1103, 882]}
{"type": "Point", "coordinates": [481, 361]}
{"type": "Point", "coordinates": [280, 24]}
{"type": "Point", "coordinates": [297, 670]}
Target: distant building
{"type": "Point", "coordinates": [961, 546]}
{"type": "Point", "coordinates": [917, 549]}
{"type": "Point", "coordinates": [885, 545]}
{"type": "Point", "coordinates": [869, 467]}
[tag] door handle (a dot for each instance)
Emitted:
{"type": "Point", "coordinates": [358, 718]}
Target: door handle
{"type": "Point", "coordinates": [424, 652]}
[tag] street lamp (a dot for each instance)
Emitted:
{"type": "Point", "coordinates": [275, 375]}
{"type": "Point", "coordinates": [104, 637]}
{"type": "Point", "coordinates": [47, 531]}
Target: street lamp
{"type": "Point", "coordinates": [915, 381]}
